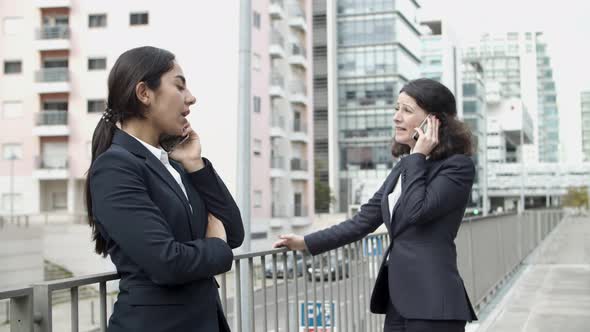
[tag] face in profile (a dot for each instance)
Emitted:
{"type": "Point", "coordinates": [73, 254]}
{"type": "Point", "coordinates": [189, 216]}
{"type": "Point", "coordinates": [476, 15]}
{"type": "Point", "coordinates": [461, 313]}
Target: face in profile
{"type": "Point", "coordinates": [408, 115]}
{"type": "Point", "coordinates": [171, 102]}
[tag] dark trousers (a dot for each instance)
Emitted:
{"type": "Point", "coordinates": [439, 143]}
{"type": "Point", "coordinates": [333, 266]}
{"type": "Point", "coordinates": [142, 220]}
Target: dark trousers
{"type": "Point", "coordinates": [394, 322]}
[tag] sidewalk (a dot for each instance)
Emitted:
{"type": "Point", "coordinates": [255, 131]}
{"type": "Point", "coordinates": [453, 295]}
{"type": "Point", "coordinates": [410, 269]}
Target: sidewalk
{"type": "Point", "coordinates": [552, 290]}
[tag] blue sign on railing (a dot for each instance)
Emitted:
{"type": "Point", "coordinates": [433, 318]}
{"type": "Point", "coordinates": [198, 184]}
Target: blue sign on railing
{"type": "Point", "coordinates": [324, 315]}
{"type": "Point", "coordinates": [373, 247]}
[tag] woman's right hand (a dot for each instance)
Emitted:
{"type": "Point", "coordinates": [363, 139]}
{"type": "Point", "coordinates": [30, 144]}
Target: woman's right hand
{"type": "Point", "coordinates": [291, 241]}
{"type": "Point", "coordinates": [215, 228]}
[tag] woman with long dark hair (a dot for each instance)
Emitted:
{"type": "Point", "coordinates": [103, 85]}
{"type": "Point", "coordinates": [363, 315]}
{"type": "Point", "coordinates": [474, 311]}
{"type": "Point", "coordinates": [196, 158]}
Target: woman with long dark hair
{"type": "Point", "coordinates": [165, 218]}
{"type": "Point", "coordinates": [422, 203]}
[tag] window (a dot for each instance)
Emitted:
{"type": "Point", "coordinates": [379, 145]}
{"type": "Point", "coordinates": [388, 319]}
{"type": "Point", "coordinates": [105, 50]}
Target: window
{"type": "Point", "coordinates": [257, 148]}
{"type": "Point", "coordinates": [96, 105]}
{"type": "Point", "coordinates": [257, 198]}
{"type": "Point", "coordinates": [12, 25]}
{"type": "Point", "coordinates": [256, 19]}
{"type": "Point", "coordinates": [97, 20]}
{"type": "Point", "coordinates": [256, 106]}
{"type": "Point", "coordinates": [97, 63]}
{"type": "Point", "coordinates": [13, 67]}
{"type": "Point", "coordinates": [12, 109]}
{"type": "Point", "coordinates": [138, 19]}
{"type": "Point", "coordinates": [12, 150]}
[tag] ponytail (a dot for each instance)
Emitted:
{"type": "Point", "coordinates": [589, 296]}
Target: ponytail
{"type": "Point", "coordinates": [101, 141]}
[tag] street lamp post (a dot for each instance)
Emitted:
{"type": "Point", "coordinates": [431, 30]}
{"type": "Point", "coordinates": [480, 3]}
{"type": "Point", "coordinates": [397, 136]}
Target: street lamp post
{"type": "Point", "coordinates": [12, 158]}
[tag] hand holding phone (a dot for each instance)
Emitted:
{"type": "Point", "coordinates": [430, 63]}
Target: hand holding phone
{"type": "Point", "coordinates": [169, 142]}
{"type": "Point", "coordinates": [423, 126]}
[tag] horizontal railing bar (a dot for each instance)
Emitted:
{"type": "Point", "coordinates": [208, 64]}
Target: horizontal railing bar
{"type": "Point", "coordinates": [17, 292]}
{"type": "Point", "coordinates": [79, 281]}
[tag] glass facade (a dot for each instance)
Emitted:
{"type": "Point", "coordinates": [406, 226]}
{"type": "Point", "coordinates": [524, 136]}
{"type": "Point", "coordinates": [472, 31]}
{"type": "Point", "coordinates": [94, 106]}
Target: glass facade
{"type": "Point", "coordinates": [378, 47]}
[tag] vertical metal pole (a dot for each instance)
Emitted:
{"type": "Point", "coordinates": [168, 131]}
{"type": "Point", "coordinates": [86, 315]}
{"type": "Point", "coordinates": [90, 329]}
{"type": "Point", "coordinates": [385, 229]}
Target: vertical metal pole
{"type": "Point", "coordinates": [243, 162]}
{"type": "Point", "coordinates": [522, 167]}
{"type": "Point", "coordinates": [12, 158]}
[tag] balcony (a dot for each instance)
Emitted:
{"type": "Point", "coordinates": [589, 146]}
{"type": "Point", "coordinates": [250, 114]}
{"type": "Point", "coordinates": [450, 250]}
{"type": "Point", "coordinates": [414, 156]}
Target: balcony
{"type": "Point", "coordinates": [297, 18]}
{"type": "Point", "coordinates": [299, 169]}
{"type": "Point", "coordinates": [277, 166]}
{"type": "Point", "coordinates": [51, 123]}
{"type": "Point", "coordinates": [53, 3]}
{"type": "Point", "coordinates": [276, 10]}
{"type": "Point", "coordinates": [298, 92]}
{"type": "Point", "coordinates": [277, 85]}
{"type": "Point", "coordinates": [52, 80]}
{"type": "Point", "coordinates": [51, 38]}
{"type": "Point", "coordinates": [277, 45]}
{"type": "Point", "coordinates": [277, 125]}
{"type": "Point", "coordinates": [298, 56]}
{"type": "Point", "coordinates": [279, 210]}
{"type": "Point", "coordinates": [299, 133]}
{"type": "Point", "coordinates": [51, 168]}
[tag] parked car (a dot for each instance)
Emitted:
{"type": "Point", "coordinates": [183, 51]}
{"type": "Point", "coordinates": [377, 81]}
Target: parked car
{"type": "Point", "coordinates": [325, 271]}
{"type": "Point", "coordinates": [268, 271]}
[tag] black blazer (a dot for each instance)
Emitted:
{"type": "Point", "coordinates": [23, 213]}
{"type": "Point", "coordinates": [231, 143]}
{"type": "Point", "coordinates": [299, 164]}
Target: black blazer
{"type": "Point", "coordinates": [158, 243]}
{"type": "Point", "coordinates": [420, 276]}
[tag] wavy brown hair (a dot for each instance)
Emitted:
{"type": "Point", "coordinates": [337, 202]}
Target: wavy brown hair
{"type": "Point", "coordinates": [435, 98]}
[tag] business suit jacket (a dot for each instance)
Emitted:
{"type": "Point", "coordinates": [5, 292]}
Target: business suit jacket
{"type": "Point", "coordinates": [421, 275]}
{"type": "Point", "coordinates": [157, 241]}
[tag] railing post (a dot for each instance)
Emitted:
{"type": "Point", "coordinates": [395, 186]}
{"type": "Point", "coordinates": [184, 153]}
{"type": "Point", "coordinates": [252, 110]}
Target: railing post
{"type": "Point", "coordinates": [42, 308]}
{"type": "Point", "coordinates": [21, 314]}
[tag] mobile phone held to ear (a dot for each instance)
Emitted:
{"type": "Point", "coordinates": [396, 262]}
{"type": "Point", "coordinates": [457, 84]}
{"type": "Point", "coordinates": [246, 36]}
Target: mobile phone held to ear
{"type": "Point", "coordinates": [169, 142]}
{"type": "Point", "coordinates": [423, 126]}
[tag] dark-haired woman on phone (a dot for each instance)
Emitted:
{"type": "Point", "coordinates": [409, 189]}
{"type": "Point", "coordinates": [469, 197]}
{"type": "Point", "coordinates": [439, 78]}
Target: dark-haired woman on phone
{"type": "Point", "coordinates": [422, 203]}
{"type": "Point", "coordinates": [165, 218]}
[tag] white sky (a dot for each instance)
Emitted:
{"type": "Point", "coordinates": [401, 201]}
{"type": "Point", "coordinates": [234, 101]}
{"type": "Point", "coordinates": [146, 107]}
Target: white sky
{"type": "Point", "coordinates": [566, 25]}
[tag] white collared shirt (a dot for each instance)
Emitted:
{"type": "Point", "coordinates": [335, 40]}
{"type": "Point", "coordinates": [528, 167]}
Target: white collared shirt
{"type": "Point", "coordinates": [395, 194]}
{"type": "Point", "coordinates": [163, 157]}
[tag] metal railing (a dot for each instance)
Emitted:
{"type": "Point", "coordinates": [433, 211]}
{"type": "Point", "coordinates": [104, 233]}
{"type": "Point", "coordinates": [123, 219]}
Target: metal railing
{"type": "Point", "coordinates": [277, 79]}
{"type": "Point", "coordinates": [299, 126]}
{"type": "Point", "coordinates": [297, 49]}
{"type": "Point", "coordinates": [277, 162]}
{"type": "Point", "coordinates": [54, 32]}
{"type": "Point", "coordinates": [52, 118]}
{"type": "Point", "coordinates": [51, 163]}
{"type": "Point", "coordinates": [276, 38]}
{"type": "Point", "coordinates": [52, 75]}
{"type": "Point", "coordinates": [489, 251]}
{"type": "Point", "coordinates": [298, 164]}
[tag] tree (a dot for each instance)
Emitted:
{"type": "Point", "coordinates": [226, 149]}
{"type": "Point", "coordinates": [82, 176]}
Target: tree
{"type": "Point", "coordinates": [576, 197]}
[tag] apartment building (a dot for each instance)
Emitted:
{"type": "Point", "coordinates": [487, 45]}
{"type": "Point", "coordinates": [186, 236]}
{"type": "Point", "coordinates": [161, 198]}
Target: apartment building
{"type": "Point", "coordinates": [56, 56]}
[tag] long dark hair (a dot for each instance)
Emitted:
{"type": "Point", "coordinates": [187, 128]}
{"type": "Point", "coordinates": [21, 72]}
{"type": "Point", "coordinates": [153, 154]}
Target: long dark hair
{"type": "Point", "coordinates": [435, 98]}
{"type": "Point", "coordinates": [143, 64]}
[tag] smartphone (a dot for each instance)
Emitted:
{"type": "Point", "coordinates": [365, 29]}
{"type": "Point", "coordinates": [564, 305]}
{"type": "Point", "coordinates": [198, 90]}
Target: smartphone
{"type": "Point", "coordinates": [169, 142]}
{"type": "Point", "coordinates": [423, 126]}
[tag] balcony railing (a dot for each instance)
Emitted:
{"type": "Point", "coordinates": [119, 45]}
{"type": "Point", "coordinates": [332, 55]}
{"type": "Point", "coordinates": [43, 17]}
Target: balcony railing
{"type": "Point", "coordinates": [57, 162]}
{"type": "Point", "coordinates": [276, 38]}
{"type": "Point", "coordinates": [277, 79]}
{"type": "Point", "coordinates": [299, 127]}
{"type": "Point", "coordinates": [299, 50]}
{"type": "Point", "coordinates": [489, 250]}
{"type": "Point", "coordinates": [298, 87]}
{"type": "Point", "coordinates": [278, 121]}
{"type": "Point", "coordinates": [298, 164]}
{"type": "Point", "coordinates": [47, 75]}
{"type": "Point", "coordinates": [277, 162]}
{"type": "Point", "coordinates": [52, 118]}
{"type": "Point", "coordinates": [300, 211]}
{"type": "Point", "coordinates": [54, 32]}
{"type": "Point", "coordinates": [278, 210]}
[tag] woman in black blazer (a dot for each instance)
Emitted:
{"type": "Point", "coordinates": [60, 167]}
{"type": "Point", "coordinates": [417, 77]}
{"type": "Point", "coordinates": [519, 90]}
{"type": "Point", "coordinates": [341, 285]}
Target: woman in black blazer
{"type": "Point", "coordinates": [166, 219]}
{"type": "Point", "coordinates": [422, 203]}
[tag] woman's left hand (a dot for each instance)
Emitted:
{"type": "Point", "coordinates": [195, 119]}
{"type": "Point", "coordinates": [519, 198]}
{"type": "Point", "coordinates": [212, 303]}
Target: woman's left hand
{"type": "Point", "coordinates": [189, 152]}
{"type": "Point", "coordinates": [427, 142]}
